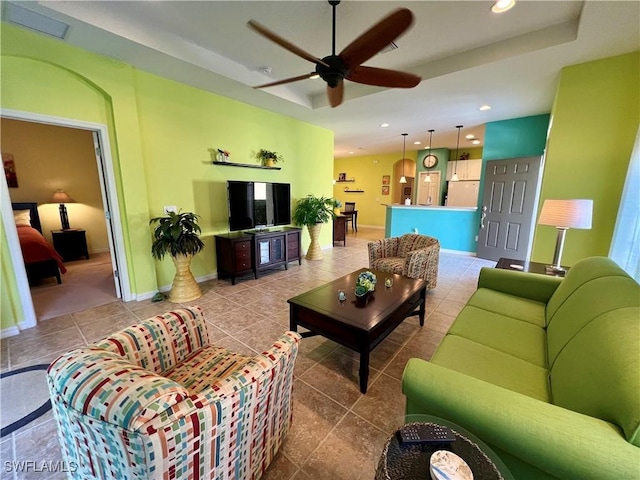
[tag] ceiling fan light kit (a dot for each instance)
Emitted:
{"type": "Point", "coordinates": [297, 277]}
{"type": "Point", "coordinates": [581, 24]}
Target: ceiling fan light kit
{"type": "Point", "coordinates": [334, 69]}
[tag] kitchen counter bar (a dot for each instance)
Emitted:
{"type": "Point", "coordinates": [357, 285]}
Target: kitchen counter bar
{"type": "Point", "coordinates": [455, 227]}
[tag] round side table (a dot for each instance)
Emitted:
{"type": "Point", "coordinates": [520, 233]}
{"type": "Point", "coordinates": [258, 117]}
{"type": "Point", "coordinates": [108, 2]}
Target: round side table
{"type": "Point", "coordinates": [411, 462]}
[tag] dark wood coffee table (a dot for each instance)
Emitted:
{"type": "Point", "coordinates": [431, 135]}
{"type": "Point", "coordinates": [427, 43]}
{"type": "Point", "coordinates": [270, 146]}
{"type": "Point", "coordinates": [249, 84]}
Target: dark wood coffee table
{"type": "Point", "coordinates": [360, 328]}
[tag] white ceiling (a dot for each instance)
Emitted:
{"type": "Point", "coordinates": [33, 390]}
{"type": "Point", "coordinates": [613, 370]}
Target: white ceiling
{"type": "Point", "coordinates": [466, 55]}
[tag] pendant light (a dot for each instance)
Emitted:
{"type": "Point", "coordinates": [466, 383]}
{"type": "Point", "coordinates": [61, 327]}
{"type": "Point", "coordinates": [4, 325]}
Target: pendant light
{"type": "Point", "coordinates": [403, 179]}
{"type": "Point", "coordinates": [454, 178]}
{"type": "Point", "coordinates": [427, 179]}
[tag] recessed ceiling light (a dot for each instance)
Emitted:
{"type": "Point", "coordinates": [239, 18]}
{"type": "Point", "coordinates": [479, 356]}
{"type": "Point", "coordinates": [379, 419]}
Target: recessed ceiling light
{"type": "Point", "coordinates": [475, 142]}
{"type": "Point", "coordinates": [384, 125]}
{"type": "Point", "coordinates": [501, 6]}
{"type": "Point", "coordinates": [266, 69]}
{"type": "Point", "coordinates": [417, 143]}
{"type": "Point", "coordinates": [470, 136]}
{"type": "Point", "coordinates": [485, 107]}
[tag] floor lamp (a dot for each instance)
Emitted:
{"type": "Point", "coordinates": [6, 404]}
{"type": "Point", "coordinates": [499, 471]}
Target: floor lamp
{"type": "Point", "coordinates": [565, 214]}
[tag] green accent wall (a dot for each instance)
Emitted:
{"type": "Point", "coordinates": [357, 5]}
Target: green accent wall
{"type": "Point", "coordinates": [160, 133]}
{"type": "Point", "coordinates": [594, 121]}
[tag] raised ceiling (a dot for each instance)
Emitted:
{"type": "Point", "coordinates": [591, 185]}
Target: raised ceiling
{"type": "Point", "coordinates": [466, 55]}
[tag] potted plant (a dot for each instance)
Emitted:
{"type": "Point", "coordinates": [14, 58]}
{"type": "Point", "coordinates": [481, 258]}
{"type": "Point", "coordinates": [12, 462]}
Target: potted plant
{"type": "Point", "coordinates": [337, 205]}
{"type": "Point", "coordinates": [268, 158]}
{"type": "Point", "coordinates": [177, 235]}
{"type": "Point", "coordinates": [312, 212]}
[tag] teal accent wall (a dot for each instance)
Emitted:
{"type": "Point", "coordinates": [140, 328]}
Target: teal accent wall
{"type": "Point", "coordinates": [455, 229]}
{"type": "Point", "coordinates": [517, 137]}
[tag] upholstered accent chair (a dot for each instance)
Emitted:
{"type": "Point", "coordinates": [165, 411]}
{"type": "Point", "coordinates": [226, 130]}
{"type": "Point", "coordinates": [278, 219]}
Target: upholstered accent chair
{"type": "Point", "coordinates": [411, 255]}
{"type": "Point", "coordinates": [158, 401]}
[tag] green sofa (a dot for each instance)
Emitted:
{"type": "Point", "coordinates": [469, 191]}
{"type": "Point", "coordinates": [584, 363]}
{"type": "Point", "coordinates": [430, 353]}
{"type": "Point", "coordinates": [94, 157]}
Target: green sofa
{"type": "Point", "coordinates": [544, 370]}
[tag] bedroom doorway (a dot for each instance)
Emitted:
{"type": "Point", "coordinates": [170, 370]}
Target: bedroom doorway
{"type": "Point", "coordinates": [113, 255]}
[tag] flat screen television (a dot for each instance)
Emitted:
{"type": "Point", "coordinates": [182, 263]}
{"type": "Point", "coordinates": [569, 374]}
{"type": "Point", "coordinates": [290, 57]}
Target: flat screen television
{"type": "Point", "coordinates": [258, 204]}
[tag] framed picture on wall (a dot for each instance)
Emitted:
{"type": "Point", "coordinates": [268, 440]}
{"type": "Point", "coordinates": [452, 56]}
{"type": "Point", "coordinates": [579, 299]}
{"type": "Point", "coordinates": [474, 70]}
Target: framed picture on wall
{"type": "Point", "coordinates": [407, 190]}
{"type": "Point", "coordinates": [386, 179]}
{"type": "Point", "coordinates": [342, 177]}
{"type": "Point", "coordinates": [10, 170]}
{"type": "Point", "coordinates": [385, 189]}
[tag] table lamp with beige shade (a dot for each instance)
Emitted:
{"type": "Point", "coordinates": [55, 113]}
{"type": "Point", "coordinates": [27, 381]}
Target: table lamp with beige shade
{"type": "Point", "coordinates": [62, 197]}
{"type": "Point", "coordinates": [565, 214]}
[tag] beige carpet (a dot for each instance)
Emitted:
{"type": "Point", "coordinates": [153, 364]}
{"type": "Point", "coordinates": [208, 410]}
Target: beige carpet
{"type": "Point", "coordinates": [87, 283]}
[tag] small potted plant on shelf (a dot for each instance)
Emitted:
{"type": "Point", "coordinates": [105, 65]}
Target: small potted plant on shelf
{"type": "Point", "coordinates": [268, 158]}
{"type": "Point", "coordinates": [313, 211]}
{"type": "Point", "coordinates": [177, 235]}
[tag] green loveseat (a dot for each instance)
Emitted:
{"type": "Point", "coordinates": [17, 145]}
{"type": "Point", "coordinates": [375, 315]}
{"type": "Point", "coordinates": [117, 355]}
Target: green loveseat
{"type": "Point", "coordinates": [544, 370]}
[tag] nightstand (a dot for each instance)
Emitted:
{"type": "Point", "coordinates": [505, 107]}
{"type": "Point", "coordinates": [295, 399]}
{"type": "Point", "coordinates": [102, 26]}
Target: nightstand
{"type": "Point", "coordinates": [530, 267]}
{"type": "Point", "coordinates": [70, 244]}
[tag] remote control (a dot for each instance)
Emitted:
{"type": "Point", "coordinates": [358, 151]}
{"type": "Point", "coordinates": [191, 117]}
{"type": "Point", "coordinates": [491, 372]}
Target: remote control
{"type": "Point", "coordinates": [417, 434]}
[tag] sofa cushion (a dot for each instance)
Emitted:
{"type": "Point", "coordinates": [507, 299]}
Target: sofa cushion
{"type": "Point", "coordinates": [598, 372]}
{"type": "Point", "coordinates": [105, 386]}
{"type": "Point", "coordinates": [490, 365]}
{"type": "Point", "coordinates": [389, 264]}
{"type": "Point", "coordinates": [161, 342]}
{"type": "Point", "coordinates": [503, 333]}
{"type": "Point", "coordinates": [509, 305]}
{"type": "Point", "coordinates": [413, 241]}
{"type": "Point", "coordinates": [586, 302]}
{"type": "Point", "coordinates": [580, 274]}
{"type": "Point", "coordinates": [206, 367]}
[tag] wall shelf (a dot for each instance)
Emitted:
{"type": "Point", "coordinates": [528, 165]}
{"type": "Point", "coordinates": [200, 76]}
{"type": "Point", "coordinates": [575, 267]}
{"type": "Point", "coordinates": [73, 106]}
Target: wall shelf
{"type": "Point", "coordinates": [345, 181]}
{"type": "Point", "coordinates": [246, 165]}
{"type": "Point", "coordinates": [354, 191]}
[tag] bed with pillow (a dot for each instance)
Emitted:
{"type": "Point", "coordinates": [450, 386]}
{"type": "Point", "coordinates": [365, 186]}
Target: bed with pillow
{"type": "Point", "coordinates": [40, 258]}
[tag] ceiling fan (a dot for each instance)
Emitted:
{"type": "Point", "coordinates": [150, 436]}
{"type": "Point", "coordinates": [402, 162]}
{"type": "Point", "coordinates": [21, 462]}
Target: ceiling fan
{"type": "Point", "coordinates": [334, 69]}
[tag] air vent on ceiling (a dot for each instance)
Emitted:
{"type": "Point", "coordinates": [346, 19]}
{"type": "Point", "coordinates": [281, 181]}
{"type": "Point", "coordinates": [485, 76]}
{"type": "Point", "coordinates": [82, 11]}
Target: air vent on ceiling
{"type": "Point", "coordinates": [35, 21]}
{"type": "Point", "coordinates": [389, 48]}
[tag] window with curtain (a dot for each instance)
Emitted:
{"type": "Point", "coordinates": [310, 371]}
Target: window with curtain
{"type": "Point", "coordinates": [625, 247]}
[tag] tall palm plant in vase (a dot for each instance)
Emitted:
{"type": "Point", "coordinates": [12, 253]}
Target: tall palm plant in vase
{"type": "Point", "coordinates": [177, 235]}
{"type": "Point", "coordinates": [313, 211]}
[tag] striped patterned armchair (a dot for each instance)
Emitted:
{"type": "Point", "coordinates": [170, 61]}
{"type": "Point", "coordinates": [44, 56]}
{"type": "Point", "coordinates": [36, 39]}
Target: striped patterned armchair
{"type": "Point", "coordinates": [411, 255]}
{"type": "Point", "coordinates": [157, 401]}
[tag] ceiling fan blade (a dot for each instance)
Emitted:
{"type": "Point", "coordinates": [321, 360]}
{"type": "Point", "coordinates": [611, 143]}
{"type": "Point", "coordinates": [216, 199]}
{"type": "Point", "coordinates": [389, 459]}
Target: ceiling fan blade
{"type": "Point", "coordinates": [262, 30]}
{"type": "Point", "coordinates": [287, 80]}
{"type": "Point", "coordinates": [382, 77]}
{"type": "Point", "coordinates": [335, 94]}
{"type": "Point", "coordinates": [377, 37]}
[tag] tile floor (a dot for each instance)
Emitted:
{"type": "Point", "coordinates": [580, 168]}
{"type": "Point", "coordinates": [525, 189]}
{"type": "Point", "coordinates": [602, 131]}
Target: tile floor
{"type": "Point", "coordinates": [337, 433]}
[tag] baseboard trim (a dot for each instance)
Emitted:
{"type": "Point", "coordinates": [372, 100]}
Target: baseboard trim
{"type": "Point", "coordinates": [9, 332]}
{"type": "Point", "coordinates": [165, 288]}
{"type": "Point", "coordinates": [459, 252]}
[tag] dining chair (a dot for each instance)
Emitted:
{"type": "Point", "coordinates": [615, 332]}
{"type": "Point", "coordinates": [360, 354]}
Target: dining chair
{"type": "Point", "coordinates": [349, 211]}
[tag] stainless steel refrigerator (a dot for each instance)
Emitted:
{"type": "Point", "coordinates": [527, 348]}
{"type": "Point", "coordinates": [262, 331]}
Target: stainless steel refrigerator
{"type": "Point", "coordinates": [463, 194]}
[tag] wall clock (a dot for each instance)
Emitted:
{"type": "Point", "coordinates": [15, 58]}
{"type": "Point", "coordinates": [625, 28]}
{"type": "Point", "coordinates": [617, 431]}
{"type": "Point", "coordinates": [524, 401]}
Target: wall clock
{"type": "Point", "coordinates": [430, 161]}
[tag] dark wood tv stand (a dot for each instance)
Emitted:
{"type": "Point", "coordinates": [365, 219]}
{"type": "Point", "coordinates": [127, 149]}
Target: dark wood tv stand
{"type": "Point", "coordinates": [242, 253]}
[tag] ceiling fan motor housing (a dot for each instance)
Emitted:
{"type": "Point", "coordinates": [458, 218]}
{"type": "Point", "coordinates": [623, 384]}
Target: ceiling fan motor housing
{"type": "Point", "coordinates": [335, 73]}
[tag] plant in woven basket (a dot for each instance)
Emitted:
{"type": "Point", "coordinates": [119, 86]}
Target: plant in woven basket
{"type": "Point", "coordinates": [313, 211]}
{"type": "Point", "coordinates": [177, 235]}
